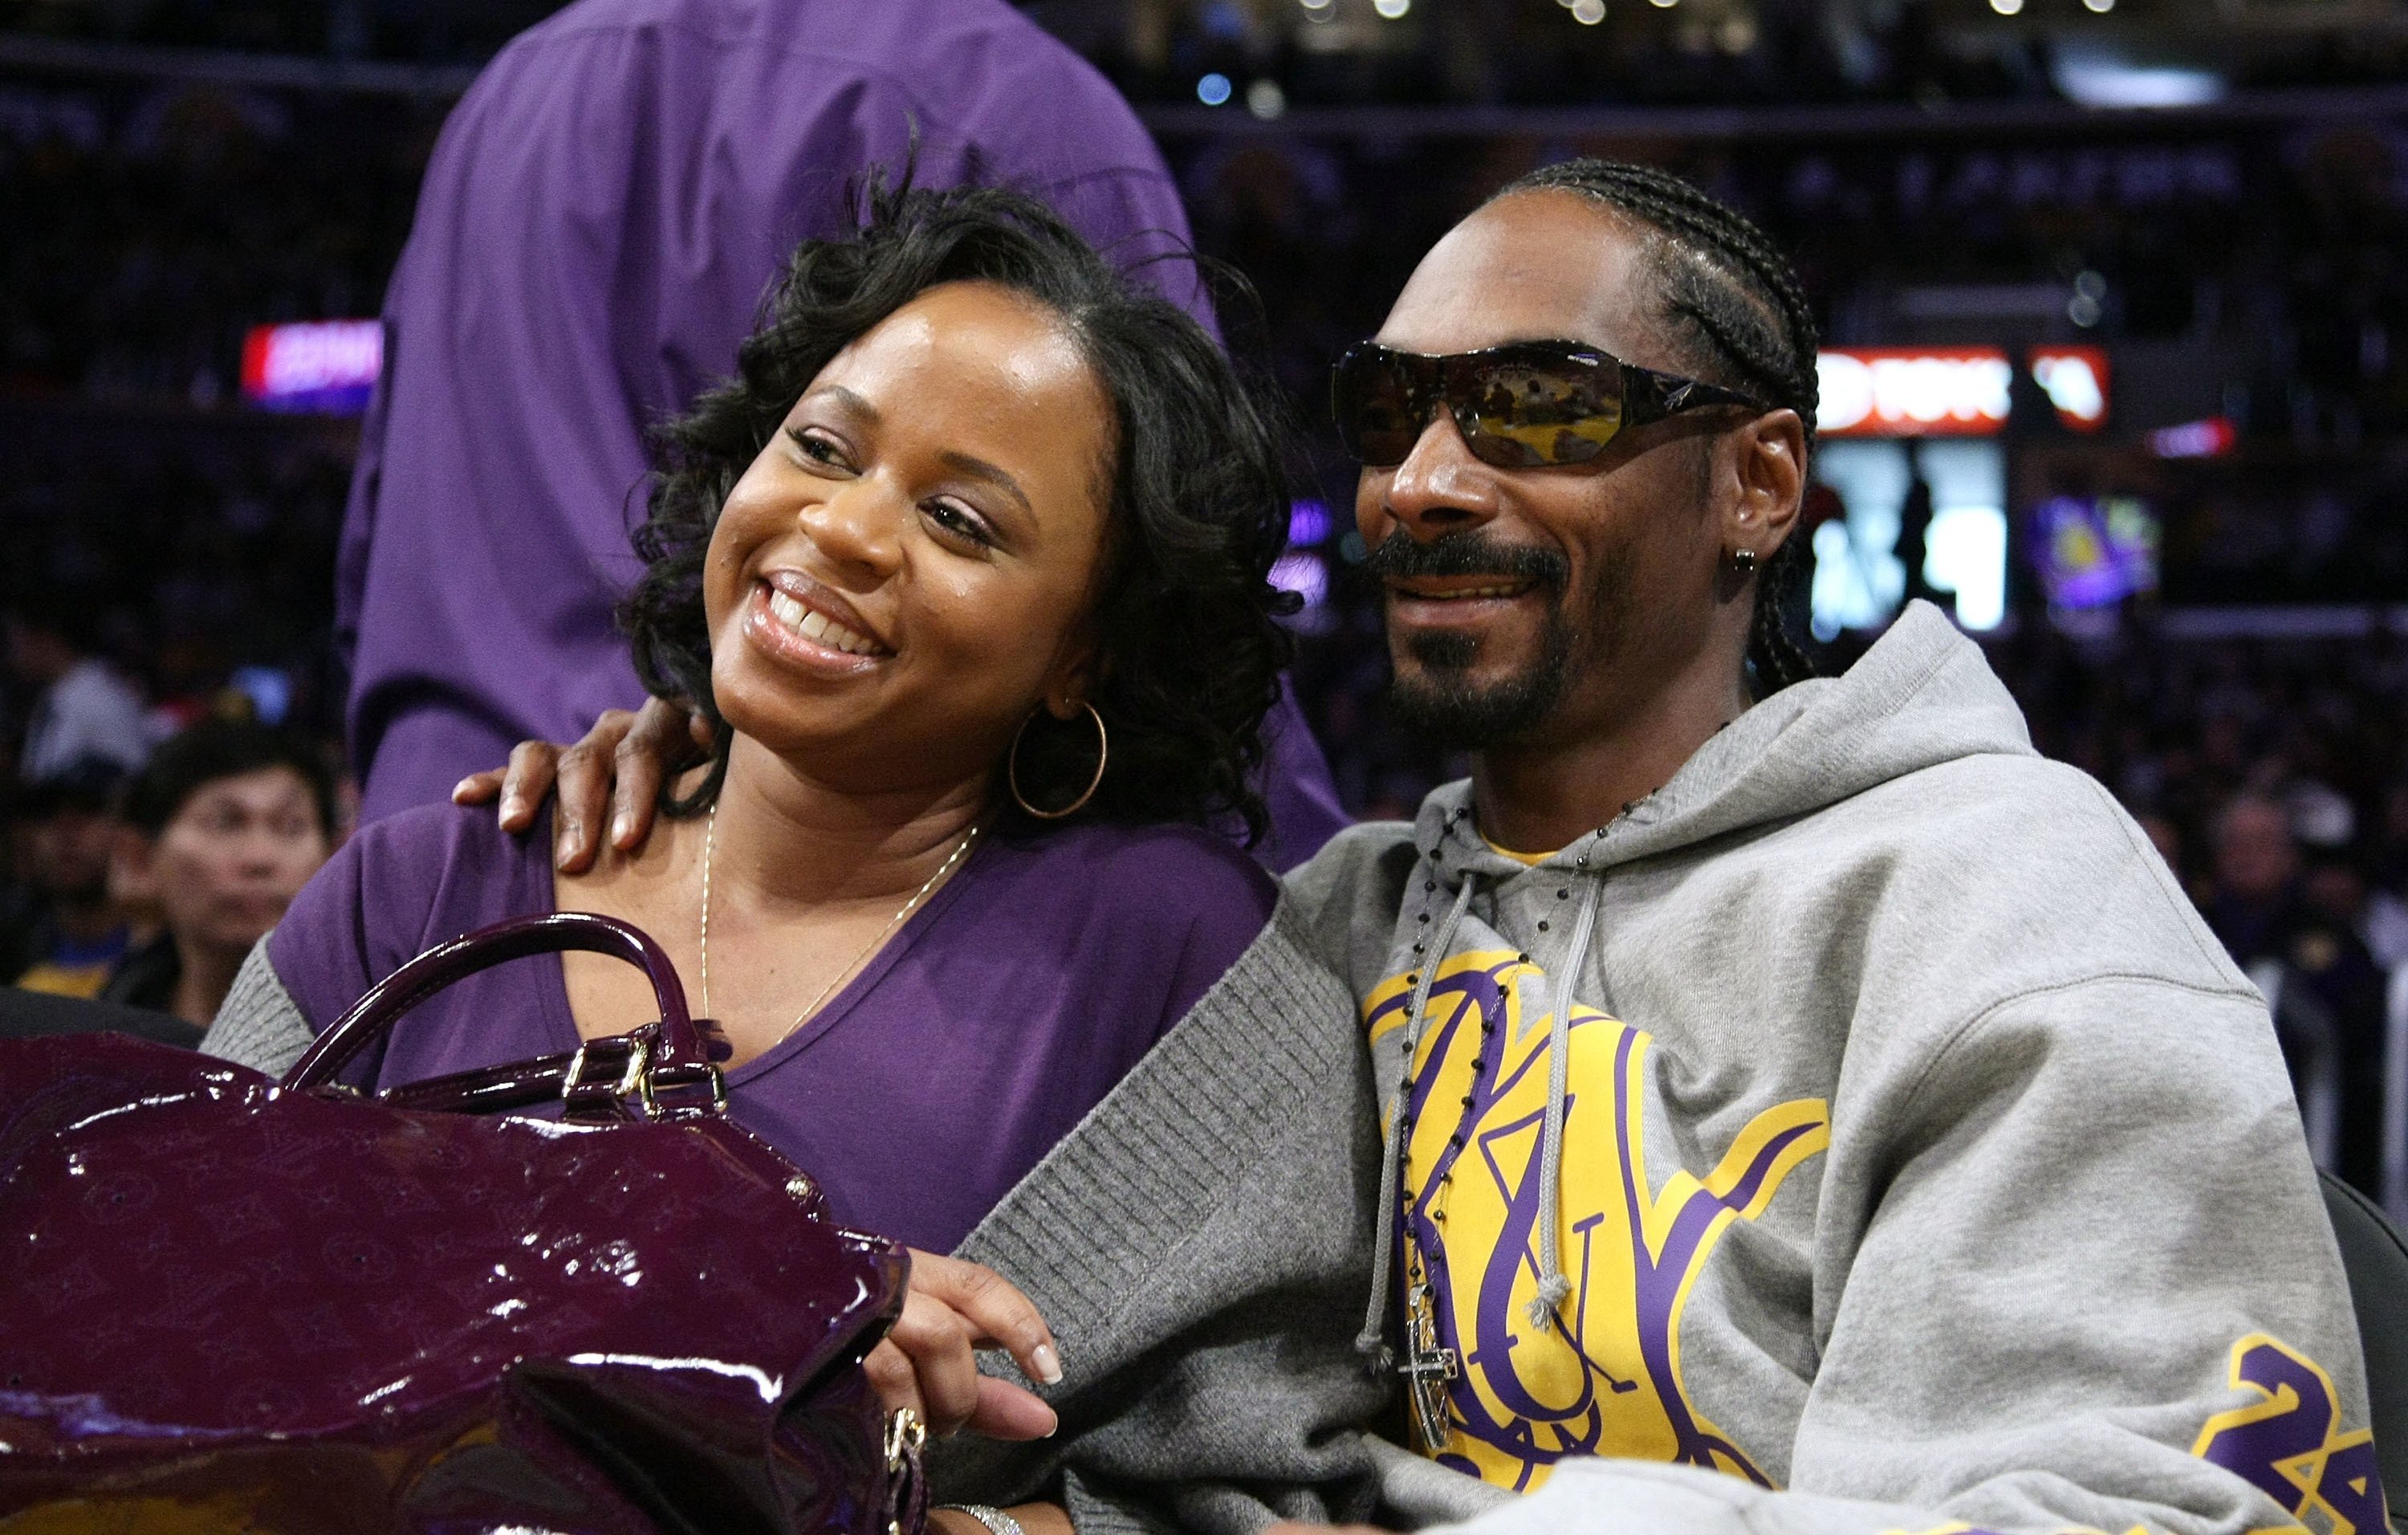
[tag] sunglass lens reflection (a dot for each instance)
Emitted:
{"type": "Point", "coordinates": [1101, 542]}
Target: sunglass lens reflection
{"type": "Point", "coordinates": [1514, 416]}
{"type": "Point", "coordinates": [1535, 416]}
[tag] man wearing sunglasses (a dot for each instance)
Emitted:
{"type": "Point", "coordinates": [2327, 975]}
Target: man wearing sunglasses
{"type": "Point", "coordinates": [1787, 1084]}
{"type": "Point", "coordinates": [1793, 1104]}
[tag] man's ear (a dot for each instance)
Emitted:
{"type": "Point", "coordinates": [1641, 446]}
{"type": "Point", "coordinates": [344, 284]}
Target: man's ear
{"type": "Point", "coordinates": [1770, 465]}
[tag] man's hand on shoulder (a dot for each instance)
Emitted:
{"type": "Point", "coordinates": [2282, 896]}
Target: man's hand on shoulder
{"type": "Point", "coordinates": [614, 773]}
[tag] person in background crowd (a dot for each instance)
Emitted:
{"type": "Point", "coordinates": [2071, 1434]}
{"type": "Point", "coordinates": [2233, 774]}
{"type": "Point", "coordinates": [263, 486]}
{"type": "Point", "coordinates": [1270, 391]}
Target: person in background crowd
{"type": "Point", "coordinates": [597, 225]}
{"type": "Point", "coordinates": [224, 827]}
{"type": "Point", "coordinates": [2262, 905]}
{"type": "Point", "coordinates": [2256, 865]}
{"type": "Point", "coordinates": [2336, 885]}
{"type": "Point", "coordinates": [74, 932]}
{"type": "Point", "coordinates": [2387, 848]}
{"type": "Point", "coordinates": [85, 710]}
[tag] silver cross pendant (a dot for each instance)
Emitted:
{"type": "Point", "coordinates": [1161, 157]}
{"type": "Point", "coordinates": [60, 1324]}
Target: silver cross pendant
{"type": "Point", "coordinates": [1426, 1370]}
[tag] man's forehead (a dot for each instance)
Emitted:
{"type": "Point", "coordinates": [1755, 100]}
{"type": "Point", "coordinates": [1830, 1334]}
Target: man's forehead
{"type": "Point", "coordinates": [1538, 265]}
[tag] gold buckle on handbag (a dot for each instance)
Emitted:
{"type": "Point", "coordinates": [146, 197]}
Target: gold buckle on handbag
{"type": "Point", "coordinates": [592, 1098]}
{"type": "Point", "coordinates": [647, 1089]}
{"type": "Point", "coordinates": [905, 1437]}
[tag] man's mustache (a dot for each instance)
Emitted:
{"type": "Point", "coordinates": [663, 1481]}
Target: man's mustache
{"type": "Point", "coordinates": [1400, 557]}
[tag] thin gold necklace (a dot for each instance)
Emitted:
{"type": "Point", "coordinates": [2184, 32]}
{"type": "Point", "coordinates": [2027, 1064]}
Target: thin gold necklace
{"type": "Point", "coordinates": [709, 848]}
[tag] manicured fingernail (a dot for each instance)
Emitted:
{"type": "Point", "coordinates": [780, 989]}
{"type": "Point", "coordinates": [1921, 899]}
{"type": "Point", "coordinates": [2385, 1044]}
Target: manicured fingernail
{"type": "Point", "coordinates": [622, 827]}
{"type": "Point", "coordinates": [513, 804]}
{"type": "Point", "coordinates": [1048, 1363]}
{"type": "Point", "coordinates": [461, 788]}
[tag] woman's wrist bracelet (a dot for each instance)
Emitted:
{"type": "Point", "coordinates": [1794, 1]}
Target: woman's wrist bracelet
{"type": "Point", "coordinates": [997, 1521]}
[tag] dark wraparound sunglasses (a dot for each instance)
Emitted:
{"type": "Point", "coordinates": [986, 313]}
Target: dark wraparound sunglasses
{"type": "Point", "coordinates": [1519, 406]}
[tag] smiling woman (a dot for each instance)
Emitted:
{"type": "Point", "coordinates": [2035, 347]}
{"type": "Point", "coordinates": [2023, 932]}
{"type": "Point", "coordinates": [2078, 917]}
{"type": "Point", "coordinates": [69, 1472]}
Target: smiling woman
{"type": "Point", "coordinates": [977, 537]}
{"type": "Point", "coordinates": [1093, 492]}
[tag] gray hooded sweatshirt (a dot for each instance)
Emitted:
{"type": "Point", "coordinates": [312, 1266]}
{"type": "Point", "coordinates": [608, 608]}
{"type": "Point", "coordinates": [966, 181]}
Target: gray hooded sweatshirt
{"type": "Point", "coordinates": [1915, 1158]}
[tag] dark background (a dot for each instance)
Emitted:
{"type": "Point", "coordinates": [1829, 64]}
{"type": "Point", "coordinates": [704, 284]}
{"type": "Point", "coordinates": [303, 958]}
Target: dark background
{"type": "Point", "coordinates": [173, 172]}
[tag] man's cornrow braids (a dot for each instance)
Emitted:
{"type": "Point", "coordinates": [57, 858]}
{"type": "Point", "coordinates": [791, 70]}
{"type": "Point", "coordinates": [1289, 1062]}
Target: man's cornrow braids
{"type": "Point", "coordinates": [1725, 281]}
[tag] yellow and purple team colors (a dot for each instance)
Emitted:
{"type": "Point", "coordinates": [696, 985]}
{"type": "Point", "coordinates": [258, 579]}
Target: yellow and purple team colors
{"type": "Point", "coordinates": [1604, 1377]}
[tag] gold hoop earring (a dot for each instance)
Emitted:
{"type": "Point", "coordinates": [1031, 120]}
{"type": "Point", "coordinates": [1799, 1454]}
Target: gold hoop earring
{"type": "Point", "coordinates": [1103, 754]}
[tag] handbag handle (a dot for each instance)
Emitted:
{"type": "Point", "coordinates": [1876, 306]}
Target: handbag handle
{"type": "Point", "coordinates": [675, 1058]}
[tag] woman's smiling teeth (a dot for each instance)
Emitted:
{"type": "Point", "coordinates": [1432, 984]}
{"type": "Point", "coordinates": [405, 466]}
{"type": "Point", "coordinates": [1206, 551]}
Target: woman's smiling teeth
{"type": "Point", "coordinates": [818, 627]}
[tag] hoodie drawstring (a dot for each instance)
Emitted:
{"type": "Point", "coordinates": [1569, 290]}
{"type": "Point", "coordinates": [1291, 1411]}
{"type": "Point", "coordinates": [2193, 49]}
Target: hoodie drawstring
{"type": "Point", "coordinates": [1554, 1283]}
{"type": "Point", "coordinates": [1373, 1341]}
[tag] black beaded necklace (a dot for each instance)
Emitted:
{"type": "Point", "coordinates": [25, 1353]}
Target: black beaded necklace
{"type": "Point", "coordinates": [1428, 1365]}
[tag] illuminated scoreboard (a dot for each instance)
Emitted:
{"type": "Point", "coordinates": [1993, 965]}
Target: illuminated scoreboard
{"type": "Point", "coordinates": [1912, 391]}
{"type": "Point", "coordinates": [1921, 391]}
{"type": "Point", "coordinates": [328, 367]}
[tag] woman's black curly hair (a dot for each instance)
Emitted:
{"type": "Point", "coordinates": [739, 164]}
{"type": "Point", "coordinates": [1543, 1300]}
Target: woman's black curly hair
{"type": "Point", "coordinates": [1188, 653]}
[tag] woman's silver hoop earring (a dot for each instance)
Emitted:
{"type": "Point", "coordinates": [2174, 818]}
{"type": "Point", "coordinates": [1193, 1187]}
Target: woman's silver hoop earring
{"type": "Point", "coordinates": [1103, 754]}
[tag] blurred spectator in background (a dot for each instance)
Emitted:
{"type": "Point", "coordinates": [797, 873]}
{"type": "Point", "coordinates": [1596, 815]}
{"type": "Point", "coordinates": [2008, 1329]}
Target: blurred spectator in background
{"type": "Point", "coordinates": [224, 827]}
{"type": "Point", "coordinates": [597, 228]}
{"type": "Point", "coordinates": [1914, 533]}
{"type": "Point", "coordinates": [2263, 909]}
{"type": "Point", "coordinates": [2257, 866]}
{"type": "Point", "coordinates": [84, 711]}
{"type": "Point", "coordinates": [2335, 886]}
{"type": "Point", "coordinates": [69, 931]}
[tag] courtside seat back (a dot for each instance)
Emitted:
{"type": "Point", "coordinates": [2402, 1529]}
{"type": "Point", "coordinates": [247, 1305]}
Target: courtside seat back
{"type": "Point", "coordinates": [2376, 1256]}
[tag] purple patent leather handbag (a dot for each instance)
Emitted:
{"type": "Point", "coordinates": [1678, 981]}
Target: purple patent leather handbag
{"type": "Point", "coordinates": [228, 1303]}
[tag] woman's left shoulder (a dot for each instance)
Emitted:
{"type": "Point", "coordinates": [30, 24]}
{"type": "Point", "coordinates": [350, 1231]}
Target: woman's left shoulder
{"type": "Point", "coordinates": [1180, 871]}
{"type": "Point", "coordinates": [1176, 904]}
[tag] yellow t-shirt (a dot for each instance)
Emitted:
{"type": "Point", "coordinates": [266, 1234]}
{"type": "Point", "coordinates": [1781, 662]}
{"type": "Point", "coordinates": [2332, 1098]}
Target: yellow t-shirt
{"type": "Point", "coordinates": [1530, 860]}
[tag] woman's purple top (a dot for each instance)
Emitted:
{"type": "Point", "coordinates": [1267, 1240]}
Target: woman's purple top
{"type": "Point", "coordinates": [985, 1029]}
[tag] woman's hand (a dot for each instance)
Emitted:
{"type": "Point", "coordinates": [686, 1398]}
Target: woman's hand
{"type": "Point", "coordinates": [617, 767]}
{"type": "Point", "coordinates": [926, 1361]}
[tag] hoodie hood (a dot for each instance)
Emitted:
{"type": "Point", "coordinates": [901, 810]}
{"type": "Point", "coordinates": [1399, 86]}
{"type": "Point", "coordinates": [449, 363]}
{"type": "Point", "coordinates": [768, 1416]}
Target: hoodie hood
{"type": "Point", "coordinates": [1924, 695]}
